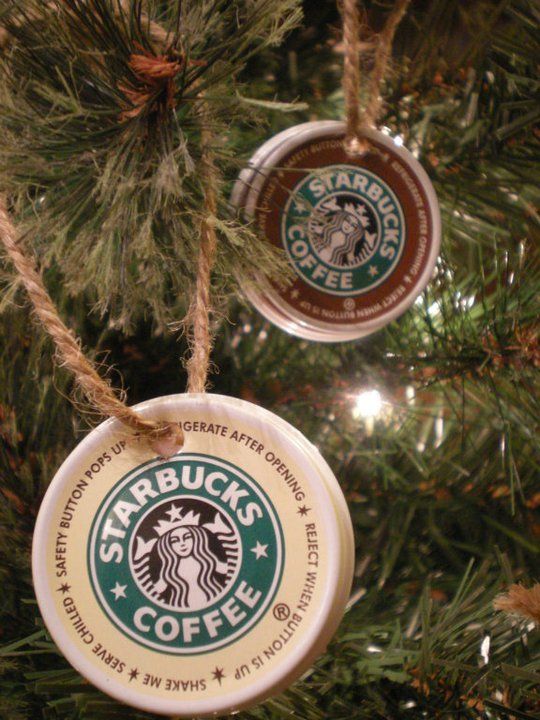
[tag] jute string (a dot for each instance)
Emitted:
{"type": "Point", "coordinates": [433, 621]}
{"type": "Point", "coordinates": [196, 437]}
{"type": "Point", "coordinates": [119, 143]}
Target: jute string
{"type": "Point", "coordinates": [198, 320]}
{"type": "Point", "coordinates": [356, 120]}
{"type": "Point", "coordinates": [98, 392]}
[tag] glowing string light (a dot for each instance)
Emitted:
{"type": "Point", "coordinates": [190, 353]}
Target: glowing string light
{"type": "Point", "coordinates": [369, 404]}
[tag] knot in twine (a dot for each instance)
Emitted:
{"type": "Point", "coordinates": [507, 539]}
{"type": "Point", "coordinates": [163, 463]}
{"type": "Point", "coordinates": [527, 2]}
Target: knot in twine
{"type": "Point", "coordinates": [156, 87]}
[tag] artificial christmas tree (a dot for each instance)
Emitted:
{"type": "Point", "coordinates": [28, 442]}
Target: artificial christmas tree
{"type": "Point", "coordinates": [430, 425]}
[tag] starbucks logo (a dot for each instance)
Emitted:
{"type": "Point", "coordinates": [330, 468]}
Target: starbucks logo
{"type": "Point", "coordinates": [343, 229]}
{"type": "Point", "coordinates": [186, 555]}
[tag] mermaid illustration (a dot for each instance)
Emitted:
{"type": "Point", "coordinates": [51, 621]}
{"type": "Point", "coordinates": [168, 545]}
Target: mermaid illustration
{"type": "Point", "coordinates": [180, 569]}
{"type": "Point", "coordinates": [340, 238]}
{"type": "Point", "coordinates": [192, 573]}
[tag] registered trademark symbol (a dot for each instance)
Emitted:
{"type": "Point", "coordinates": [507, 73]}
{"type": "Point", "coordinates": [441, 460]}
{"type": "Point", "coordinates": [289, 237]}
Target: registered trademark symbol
{"type": "Point", "coordinates": [281, 611]}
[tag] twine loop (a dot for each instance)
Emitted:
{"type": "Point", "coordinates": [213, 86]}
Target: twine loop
{"type": "Point", "coordinates": [357, 122]}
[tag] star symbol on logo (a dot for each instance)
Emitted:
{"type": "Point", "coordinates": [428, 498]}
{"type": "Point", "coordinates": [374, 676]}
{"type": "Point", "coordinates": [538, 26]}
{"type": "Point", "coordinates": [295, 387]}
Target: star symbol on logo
{"type": "Point", "coordinates": [294, 294]}
{"type": "Point", "coordinates": [119, 590]}
{"type": "Point", "coordinates": [64, 588]}
{"type": "Point", "coordinates": [259, 550]}
{"type": "Point", "coordinates": [133, 674]}
{"type": "Point", "coordinates": [174, 513]}
{"type": "Point", "coordinates": [303, 510]}
{"type": "Point", "coordinates": [218, 674]}
{"type": "Point", "coordinates": [372, 270]}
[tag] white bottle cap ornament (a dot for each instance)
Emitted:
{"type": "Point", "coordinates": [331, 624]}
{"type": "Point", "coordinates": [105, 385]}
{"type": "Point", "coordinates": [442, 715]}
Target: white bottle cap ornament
{"type": "Point", "coordinates": [203, 583]}
{"type": "Point", "coordinates": [362, 233]}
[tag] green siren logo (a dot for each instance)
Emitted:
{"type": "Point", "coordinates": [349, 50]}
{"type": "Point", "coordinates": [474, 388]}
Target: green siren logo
{"type": "Point", "coordinates": [343, 229]}
{"type": "Point", "coordinates": [186, 555]}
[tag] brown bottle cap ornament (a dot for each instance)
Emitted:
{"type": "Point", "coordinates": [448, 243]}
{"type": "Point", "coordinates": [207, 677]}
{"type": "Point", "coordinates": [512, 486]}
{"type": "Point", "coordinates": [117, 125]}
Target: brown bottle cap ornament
{"type": "Point", "coordinates": [362, 233]}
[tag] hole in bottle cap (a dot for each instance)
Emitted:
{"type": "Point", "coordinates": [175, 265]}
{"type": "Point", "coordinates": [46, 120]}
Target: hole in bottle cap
{"type": "Point", "coordinates": [356, 145]}
{"type": "Point", "coordinates": [170, 443]}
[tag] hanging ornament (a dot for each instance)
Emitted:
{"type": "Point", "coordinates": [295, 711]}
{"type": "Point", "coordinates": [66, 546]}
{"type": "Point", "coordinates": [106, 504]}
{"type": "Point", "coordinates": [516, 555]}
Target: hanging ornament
{"type": "Point", "coordinates": [356, 215]}
{"type": "Point", "coordinates": [201, 583]}
{"type": "Point", "coordinates": [362, 232]}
